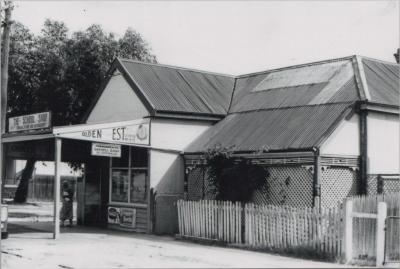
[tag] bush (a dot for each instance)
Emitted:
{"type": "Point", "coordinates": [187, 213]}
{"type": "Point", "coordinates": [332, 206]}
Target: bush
{"type": "Point", "coordinates": [234, 178]}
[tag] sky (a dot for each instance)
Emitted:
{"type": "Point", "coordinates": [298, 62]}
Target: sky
{"type": "Point", "coordinates": [235, 37]}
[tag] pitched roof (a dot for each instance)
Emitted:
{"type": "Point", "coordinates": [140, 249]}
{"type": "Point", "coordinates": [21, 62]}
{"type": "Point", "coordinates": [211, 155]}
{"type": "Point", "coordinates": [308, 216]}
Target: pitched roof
{"type": "Point", "coordinates": [180, 90]}
{"type": "Point", "coordinates": [382, 79]}
{"type": "Point", "coordinates": [296, 107]}
{"type": "Point", "coordinates": [321, 83]}
{"type": "Point", "coordinates": [285, 108]}
{"type": "Point", "coordinates": [291, 128]}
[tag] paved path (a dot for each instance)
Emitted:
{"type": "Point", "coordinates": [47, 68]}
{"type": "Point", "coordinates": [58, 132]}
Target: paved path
{"type": "Point", "coordinates": [97, 248]}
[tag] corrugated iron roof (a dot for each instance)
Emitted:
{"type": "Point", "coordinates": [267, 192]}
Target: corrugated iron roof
{"type": "Point", "coordinates": [382, 80]}
{"type": "Point", "coordinates": [321, 83]}
{"type": "Point", "coordinates": [175, 89]}
{"type": "Point", "coordinates": [301, 127]}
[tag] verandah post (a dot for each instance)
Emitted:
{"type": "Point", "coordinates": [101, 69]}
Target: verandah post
{"type": "Point", "coordinates": [57, 188]}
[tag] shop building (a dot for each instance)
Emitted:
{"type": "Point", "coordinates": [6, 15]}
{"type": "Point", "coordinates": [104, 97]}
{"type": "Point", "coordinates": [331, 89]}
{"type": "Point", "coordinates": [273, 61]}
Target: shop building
{"type": "Point", "coordinates": [326, 130]}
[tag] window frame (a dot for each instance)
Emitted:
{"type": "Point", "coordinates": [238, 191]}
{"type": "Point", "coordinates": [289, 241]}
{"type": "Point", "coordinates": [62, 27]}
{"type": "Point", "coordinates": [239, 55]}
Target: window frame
{"type": "Point", "coordinates": [129, 168]}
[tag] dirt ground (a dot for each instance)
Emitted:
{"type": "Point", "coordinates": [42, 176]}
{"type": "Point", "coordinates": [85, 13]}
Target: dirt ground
{"type": "Point", "coordinates": [30, 246]}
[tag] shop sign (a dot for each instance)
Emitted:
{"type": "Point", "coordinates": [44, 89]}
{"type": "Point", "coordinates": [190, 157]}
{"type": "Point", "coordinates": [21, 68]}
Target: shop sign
{"type": "Point", "coordinates": [114, 215]}
{"type": "Point", "coordinates": [128, 217]}
{"type": "Point", "coordinates": [124, 217]}
{"type": "Point", "coordinates": [107, 150]}
{"type": "Point", "coordinates": [29, 122]}
{"type": "Point", "coordinates": [131, 134]}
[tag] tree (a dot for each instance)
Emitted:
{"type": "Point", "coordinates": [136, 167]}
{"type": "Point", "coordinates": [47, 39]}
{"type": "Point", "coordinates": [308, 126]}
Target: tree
{"type": "Point", "coordinates": [61, 72]}
{"type": "Point", "coordinates": [234, 178]}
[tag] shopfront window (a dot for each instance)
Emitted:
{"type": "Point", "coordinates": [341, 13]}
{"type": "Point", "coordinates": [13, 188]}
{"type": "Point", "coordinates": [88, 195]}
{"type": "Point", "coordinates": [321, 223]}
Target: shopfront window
{"type": "Point", "coordinates": [129, 176]}
{"type": "Point", "coordinates": [120, 185]}
{"type": "Point", "coordinates": [138, 187]}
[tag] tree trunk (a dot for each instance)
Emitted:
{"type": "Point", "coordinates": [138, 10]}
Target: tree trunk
{"type": "Point", "coordinates": [21, 194]}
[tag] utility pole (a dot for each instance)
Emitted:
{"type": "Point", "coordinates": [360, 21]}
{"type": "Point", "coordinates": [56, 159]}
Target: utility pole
{"type": "Point", "coordinates": [4, 61]}
{"type": "Point", "coordinates": [6, 25]}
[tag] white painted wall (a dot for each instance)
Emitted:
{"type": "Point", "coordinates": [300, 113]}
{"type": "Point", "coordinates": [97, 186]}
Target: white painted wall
{"type": "Point", "coordinates": [175, 134]}
{"type": "Point", "coordinates": [345, 140]}
{"type": "Point", "coordinates": [383, 143]}
{"type": "Point", "coordinates": [166, 172]}
{"type": "Point", "coordinates": [118, 102]}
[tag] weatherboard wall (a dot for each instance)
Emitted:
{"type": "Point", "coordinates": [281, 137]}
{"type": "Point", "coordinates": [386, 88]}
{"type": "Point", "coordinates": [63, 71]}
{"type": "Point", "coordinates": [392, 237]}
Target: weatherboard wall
{"type": "Point", "coordinates": [171, 134]}
{"type": "Point", "coordinates": [383, 143]}
{"type": "Point", "coordinates": [345, 140]}
{"type": "Point", "coordinates": [118, 102]}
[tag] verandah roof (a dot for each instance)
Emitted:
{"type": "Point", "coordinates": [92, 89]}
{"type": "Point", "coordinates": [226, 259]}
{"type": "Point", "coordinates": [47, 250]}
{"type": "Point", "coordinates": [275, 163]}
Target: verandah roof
{"type": "Point", "coordinates": [293, 128]}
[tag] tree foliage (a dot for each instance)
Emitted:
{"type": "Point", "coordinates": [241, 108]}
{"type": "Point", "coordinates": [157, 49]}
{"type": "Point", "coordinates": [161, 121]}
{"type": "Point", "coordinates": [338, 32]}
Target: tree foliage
{"type": "Point", "coordinates": [59, 71]}
{"type": "Point", "coordinates": [234, 178]}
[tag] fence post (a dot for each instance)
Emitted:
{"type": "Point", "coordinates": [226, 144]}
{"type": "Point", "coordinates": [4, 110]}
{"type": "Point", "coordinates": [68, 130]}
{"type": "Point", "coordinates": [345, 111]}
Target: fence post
{"type": "Point", "coordinates": [348, 231]}
{"type": "Point", "coordinates": [380, 233]}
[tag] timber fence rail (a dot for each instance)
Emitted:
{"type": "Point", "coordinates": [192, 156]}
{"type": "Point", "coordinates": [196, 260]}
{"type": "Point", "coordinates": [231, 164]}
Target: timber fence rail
{"type": "Point", "coordinates": [288, 229]}
{"type": "Point", "coordinates": [209, 219]}
{"type": "Point", "coordinates": [364, 230]}
{"type": "Point", "coordinates": [365, 247]}
{"type": "Point", "coordinates": [281, 228]}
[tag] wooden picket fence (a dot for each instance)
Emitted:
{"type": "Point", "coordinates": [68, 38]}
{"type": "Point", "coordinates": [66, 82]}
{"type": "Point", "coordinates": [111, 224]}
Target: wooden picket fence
{"type": "Point", "coordinates": [364, 229]}
{"type": "Point", "coordinates": [279, 228]}
{"type": "Point", "coordinates": [304, 230]}
{"type": "Point", "coordinates": [209, 219]}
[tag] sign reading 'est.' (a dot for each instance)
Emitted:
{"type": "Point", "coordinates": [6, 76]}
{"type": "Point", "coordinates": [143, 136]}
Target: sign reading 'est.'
{"type": "Point", "coordinates": [129, 134]}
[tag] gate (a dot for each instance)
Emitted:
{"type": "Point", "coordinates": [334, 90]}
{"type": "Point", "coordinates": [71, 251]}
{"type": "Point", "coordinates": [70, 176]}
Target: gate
{"type": "Point", "coordinates": [392, 242]}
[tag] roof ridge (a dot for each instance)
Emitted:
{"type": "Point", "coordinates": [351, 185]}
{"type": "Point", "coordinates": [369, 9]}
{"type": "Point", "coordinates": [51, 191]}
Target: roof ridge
{"type": "Point", "coordinates": [296, 66]}
{"type": "Point", "coordinates": [377, 60]}
{"type": "Point", "coordinates": [177, 67]}
{"type": "Point", "coordinates": [288, 107]}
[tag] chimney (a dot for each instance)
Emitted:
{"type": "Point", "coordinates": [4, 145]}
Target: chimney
{"type": "Point", "coordinates": [396, 55]}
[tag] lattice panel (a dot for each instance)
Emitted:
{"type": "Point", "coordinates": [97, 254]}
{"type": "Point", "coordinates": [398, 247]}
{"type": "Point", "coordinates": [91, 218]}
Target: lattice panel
{"type": "Point", "coordinates": [372, 182]}
{"type": "Point", "coordinates": [391, 185]}
{"type": "Point", "coordinates": [388, 185]}
{"type": "Point", "coordinates": [289, 185]}
{"type": "Point", "coordinates": [336, 184]}
{"type": "Point", "coordinates": [195, 184]}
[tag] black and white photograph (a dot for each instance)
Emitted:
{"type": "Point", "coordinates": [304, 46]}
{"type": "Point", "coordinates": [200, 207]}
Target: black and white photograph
{"type": "Point", "coordinates": [200, 134]}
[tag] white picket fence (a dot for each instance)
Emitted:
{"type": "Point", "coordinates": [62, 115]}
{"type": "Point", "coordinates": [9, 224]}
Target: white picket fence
{"type": "Point", "coordinates": [353, 231]}
{"type": "Point", "coordinates": [208, 219]}
{"type": "Point", "coordinates": [298, 229]}
{"type": "Point", "coordinates": [265, 226]}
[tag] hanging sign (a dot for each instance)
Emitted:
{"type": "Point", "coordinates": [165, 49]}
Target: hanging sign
{"type": "Point", "coordinates": [107, 150]}
{"type": "Point", "coordinates": [29, 122]}
{"type": "Point", "coordinates": [130, 133]}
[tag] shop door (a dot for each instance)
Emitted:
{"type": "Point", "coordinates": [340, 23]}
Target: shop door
{"type": "Point", "coordinates": [96, 192]}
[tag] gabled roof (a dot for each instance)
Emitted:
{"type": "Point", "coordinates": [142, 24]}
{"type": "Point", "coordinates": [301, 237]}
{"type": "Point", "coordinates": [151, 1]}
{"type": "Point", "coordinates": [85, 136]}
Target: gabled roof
{"type": "Point", "coordinates": [297, 107]}
{"type": "Point", "coordinates": [287, 108]}
{"type": "Point", "coordinates": [382, 81]}
{"type": "Point", "coordinates": [318, 83]}
{"type": "Point", "coordinates": [178, 90]}
{"type": "Point", "coordinates": [188, 93]}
